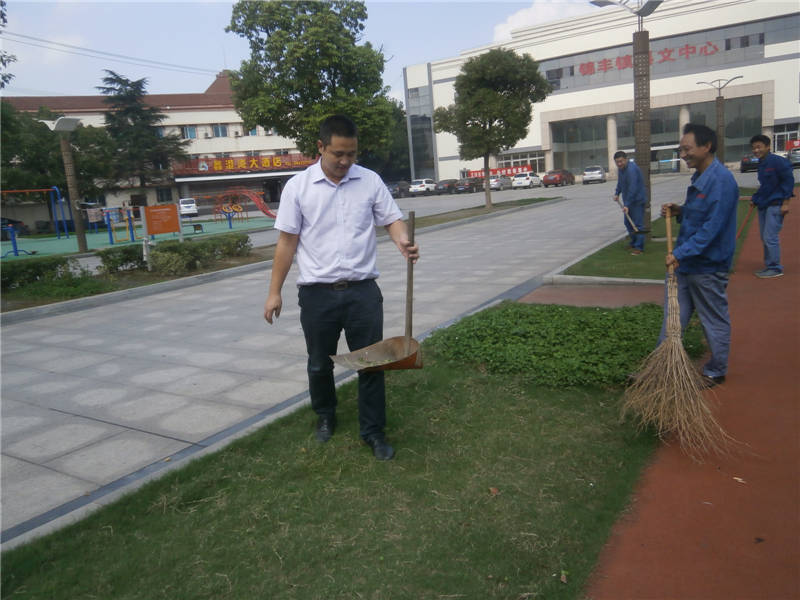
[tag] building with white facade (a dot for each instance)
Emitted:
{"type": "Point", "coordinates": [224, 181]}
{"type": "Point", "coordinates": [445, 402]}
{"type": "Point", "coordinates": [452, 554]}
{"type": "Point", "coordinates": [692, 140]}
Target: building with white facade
{"type": "Point", "coordinates": [588, 62]}
{"type": "Point", "coordinates": [222, 153]}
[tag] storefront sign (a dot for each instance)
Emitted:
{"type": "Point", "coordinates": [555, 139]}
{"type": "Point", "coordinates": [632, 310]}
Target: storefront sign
{"type": "Point", "coordinates": [242, 164]}
{"type": "Point", "coordinates": [657, 57]}
{"type": "Point", "coordinates": [503, 171]}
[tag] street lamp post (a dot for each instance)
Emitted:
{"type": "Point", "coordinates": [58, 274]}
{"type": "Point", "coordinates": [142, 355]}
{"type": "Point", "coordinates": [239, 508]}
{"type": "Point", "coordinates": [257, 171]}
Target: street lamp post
{"type": "Point", "coordinates": [719, 84]}
{"type": "Point", "coordinates": [63, 126]}
{"type": "Point", "coordinates": [641, 87]}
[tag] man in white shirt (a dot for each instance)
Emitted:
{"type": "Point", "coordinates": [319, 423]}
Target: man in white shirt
{"type": "Point", "coordinates": [327, 216]}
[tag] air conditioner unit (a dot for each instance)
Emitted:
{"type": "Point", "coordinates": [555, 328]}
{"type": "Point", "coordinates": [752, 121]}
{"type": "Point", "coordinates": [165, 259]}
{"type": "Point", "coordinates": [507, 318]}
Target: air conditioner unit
{"type": "Point", "coordinates": [238, 134]}
{"type": "Point", "coordinates": [207, 136]}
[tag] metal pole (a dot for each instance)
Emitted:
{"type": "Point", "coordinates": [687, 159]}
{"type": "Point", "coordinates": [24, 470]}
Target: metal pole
{"type": "Point", "coordinates": [641, 111]}
{"type": "Point", "coordinates": [72, 189]}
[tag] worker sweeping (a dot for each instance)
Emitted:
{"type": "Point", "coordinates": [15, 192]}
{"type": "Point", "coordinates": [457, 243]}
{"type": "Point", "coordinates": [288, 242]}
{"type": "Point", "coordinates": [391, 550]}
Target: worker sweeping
{"type": "Point", "coordinates": [666, 392]}
{"type": "Point", "coordinates": [630, 184]}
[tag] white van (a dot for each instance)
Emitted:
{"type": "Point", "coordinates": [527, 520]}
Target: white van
{"type": "Point", "coordinates": [187, 207]}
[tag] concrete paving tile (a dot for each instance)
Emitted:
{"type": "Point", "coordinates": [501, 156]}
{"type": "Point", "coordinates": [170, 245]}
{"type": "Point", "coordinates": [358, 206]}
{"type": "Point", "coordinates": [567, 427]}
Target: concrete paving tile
{"type": "Point", "coordinates": [115, 457]}
{"type": "Point", "coordinates": [200, 420]}
{"type": "Point", "coordinates": [30, 490]}
{"type": "Point", "coordinates": [18, 375]}
{"type": "Point", "coordinates": [142, 409]}
{"type": "Point", "coordinates": [206, 384]}
{"type": "Point", "coordinates": [265, 393]}
{"type": "Point", "coordinates": [59, 439]}
{"type": "Point", "coordinates": [58, 360]}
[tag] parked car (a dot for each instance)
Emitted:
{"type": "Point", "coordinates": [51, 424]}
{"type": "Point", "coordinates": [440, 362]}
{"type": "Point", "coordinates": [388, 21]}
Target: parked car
{"type": "Point", "coordinates": [500, 182]}
{"type": "Point", "coordinates": [19, 228]}
{"type": "Point", "coordinates": [446, 186]}
{"type": "Point", "coordinates": [594, 174]}
{"type": "Point", "coordinates": [398, 189]}
{"type": "Point", "coordinates": [525, 180]}
{"type": "Point", "coordinates": [470, 184]}
{"type": "Point", "coordinates": [794, 157]}
{"type": "Point", "coordinates": [558, 177]}
{"type": "Point", "coordinates": [422, 186]}
{"type": "Point", "coordinates": [188, 207]}
{"type": "Point", "coordinates": [749, 163]}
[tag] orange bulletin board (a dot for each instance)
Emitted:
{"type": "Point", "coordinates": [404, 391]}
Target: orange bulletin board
{"type": "Point", "coordinates": [162, 219]}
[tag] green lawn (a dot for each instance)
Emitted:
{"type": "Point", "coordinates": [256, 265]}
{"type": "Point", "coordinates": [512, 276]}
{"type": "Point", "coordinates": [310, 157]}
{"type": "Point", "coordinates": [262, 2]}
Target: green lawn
{"type": "Point", "coordinates": [615, 259]}
{"type": "Point", "coordinates": [502, 488]}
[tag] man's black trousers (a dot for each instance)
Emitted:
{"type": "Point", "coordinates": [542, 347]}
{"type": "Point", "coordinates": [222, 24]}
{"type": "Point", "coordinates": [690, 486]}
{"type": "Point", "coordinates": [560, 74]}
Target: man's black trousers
{"type": "Point", "coordinates": [357, 309]}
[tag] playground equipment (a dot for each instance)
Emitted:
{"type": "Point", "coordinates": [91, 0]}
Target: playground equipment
{"type": "Point", "coordinates": [120, 220]}
{"type": "Point", "coordinates": [57, 204]}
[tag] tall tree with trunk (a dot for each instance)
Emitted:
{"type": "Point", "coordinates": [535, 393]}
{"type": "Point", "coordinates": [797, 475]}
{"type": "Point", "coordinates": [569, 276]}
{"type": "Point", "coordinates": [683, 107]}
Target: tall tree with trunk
{"type": "Point", "coordinates": [305, 64]}
{"type": "Point", "coordinates": [142, 152]}
{"type": "Point", "coordinates": [495, 92]}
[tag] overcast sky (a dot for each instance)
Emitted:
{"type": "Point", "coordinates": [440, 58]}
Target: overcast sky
{"type": "Point", "coordinates": [63, 47]}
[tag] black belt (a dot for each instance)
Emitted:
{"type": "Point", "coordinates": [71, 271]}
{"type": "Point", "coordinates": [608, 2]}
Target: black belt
{"type": "Point", "coordinates": [341, 285]}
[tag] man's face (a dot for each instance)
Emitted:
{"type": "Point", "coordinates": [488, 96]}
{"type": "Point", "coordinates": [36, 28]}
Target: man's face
{"type": "Point", "coordinates": [760, 149]}
{"type": "Point", "coordinates": [621, 162]}
{"type": "Point", "coordinates": [691, 153]}
{"type": "Point", "coordinates": [337, 157]}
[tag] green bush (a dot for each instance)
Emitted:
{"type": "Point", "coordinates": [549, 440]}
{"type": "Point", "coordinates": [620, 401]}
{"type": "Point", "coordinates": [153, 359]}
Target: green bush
{"type": "Point", "coordinates": [122, 258]}
{"type": "Point", "coordinates": [169, 263]}
{"type": "Point", "coordinates": [558, 345]}
{"type": "Point", "coordinates": [25, 272]}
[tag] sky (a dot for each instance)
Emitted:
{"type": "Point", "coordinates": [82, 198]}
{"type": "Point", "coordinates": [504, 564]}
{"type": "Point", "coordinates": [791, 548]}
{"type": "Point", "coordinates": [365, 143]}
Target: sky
{"type": "Point", "coordinates": [62, 48]}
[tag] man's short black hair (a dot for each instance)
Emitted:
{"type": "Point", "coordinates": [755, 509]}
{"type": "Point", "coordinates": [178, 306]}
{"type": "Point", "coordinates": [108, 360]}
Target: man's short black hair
{"type": "Point", "coordinates": [620, 154]}
{"type": "Point", "coordinates": [703, 135]}
{"type": "Point", "coordinates": [764, 139]}
{"type": "Point", "coordinates": [337, 125]}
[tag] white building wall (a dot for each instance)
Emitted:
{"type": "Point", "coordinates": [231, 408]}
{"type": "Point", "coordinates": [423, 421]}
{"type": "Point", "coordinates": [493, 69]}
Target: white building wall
{"type": "Point", "coordinates": [777, 81]}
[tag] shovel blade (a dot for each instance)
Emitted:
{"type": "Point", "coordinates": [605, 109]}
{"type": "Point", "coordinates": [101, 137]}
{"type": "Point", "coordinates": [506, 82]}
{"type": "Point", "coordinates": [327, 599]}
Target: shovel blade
{"type": "Point", "coordinates": [387, 355]}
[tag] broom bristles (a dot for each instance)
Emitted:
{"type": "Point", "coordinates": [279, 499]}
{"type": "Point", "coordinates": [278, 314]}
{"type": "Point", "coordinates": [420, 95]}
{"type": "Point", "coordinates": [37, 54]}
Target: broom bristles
{"type": "Point", "coordinates": [667, 392]}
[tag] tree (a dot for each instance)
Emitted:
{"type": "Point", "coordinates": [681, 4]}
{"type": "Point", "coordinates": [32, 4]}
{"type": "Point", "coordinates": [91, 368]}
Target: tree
{"type": "Point", "coordinates": [394, 164]}
{"type": "Point", "coordinates": [141, 151]}
{"type": "Point", "coordinates": [493, 108]}
{"type": "Point", "coordinates": [5, 58]}
{"type": "Point", "coordinates": [305, 64]}
{"type": "Point", "coordinates": [30, 156]}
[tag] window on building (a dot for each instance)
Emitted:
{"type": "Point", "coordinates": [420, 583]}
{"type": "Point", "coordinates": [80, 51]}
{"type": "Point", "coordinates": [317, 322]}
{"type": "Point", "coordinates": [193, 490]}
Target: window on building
{"type": "Point", "coordinates": [219, 130]}
{"type": "Point", "coordinates": [728, 44]}
{"type": "Point", "coordinates": [160, 132]}
{"type": "Point", "coordinates": [222, 155]}
{"type": "Point", "coordinates": [189, 132]}
{"type": "Point", "coordinates": [253, 132]}
{"type": "Point", "coordinates": [744, 41]}
{"type": "Point", "coordinates": [164, 195]}
{"type": "Point", "coordinates": [760, 39]}
{"type": "Point", "coordinates": [554, 74]}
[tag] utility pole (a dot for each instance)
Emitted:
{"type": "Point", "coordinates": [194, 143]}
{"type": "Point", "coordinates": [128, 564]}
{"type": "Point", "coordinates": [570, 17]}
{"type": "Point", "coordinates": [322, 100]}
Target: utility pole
{"type": "Point", "coordinates": [720, 106]}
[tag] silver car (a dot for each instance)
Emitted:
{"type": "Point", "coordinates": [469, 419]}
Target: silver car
{"type": "Point", "coordinates": [594, 174]}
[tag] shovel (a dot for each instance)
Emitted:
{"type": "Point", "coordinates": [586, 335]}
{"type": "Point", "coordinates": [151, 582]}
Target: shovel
{"type": "Point", "coordinates": [627, 216]}
{"type": "Point", "coordinates": [397, 353]}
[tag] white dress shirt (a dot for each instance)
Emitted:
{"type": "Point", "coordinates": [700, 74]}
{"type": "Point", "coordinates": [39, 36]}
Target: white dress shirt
{"type": "Point", "coordinates": [336, 223]}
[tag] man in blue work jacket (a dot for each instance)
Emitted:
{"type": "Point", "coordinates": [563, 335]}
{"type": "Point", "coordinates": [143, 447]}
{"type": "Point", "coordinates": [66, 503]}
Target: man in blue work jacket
{"type": "Point", "coordinates": [630, 184]}
{"type": "Point", "coordinates": [703, 252]}
{"type": "Point", "coordinates": [776, 185]}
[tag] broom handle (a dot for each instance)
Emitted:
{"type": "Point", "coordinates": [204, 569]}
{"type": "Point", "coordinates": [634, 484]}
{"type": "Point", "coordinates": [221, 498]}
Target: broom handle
{"type": "Point", "coordinates": [409, 284]}
{"type": "Point", "coordinates": [668, 217]}
{"type": "Point", "coordinates": [627, 216]}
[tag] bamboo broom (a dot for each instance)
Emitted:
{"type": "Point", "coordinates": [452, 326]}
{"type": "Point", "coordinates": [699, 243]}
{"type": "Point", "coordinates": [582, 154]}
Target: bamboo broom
{"type": "Point", "coordinates": [667, 391]}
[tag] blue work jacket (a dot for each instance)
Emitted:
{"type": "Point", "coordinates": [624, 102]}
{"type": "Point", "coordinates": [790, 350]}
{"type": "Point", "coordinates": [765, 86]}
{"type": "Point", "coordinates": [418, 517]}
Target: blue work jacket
{"type": "Point", "coordinates": [775, 179]}
{"type": "Point", "coordinates": [631, 184]}
{"type": "Point", "coordinates": [707, 237]}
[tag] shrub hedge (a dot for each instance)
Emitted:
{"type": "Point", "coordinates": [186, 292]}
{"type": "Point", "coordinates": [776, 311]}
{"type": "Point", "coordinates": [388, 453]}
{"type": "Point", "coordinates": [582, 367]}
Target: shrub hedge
{"type": "Point", "coordinates": [20, 273]}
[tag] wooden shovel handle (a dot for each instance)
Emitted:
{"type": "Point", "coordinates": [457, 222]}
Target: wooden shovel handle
{"type": "Point", "coordinates": [409, 283]}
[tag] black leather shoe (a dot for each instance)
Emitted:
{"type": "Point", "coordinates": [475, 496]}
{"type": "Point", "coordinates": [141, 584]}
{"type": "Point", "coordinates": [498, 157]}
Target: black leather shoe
{"type": "Point", "coordinates": [710, 382]}
{"type": "Point", "coordinates": [325, 427]}
{"type": "Point", "coordinates": [380, 449]}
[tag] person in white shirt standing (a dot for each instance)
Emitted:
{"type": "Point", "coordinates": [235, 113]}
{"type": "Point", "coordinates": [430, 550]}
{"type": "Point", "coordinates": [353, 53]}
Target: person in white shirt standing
{"type": "Point", "coordinates": [327, 216]}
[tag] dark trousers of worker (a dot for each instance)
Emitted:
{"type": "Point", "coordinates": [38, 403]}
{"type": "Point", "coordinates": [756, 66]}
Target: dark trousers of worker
{"type": "Point", "coordinates": [636, 213]}
{"type": "Point", "coordinates": [358, 311]}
